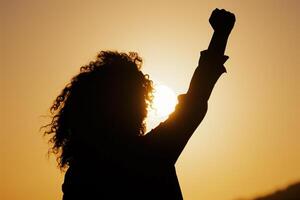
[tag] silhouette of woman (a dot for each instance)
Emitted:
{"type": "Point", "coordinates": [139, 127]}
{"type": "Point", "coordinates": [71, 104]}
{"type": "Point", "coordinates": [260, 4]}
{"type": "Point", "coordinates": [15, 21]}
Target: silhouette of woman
{"type": "Point", "coordinates": [98, 130]}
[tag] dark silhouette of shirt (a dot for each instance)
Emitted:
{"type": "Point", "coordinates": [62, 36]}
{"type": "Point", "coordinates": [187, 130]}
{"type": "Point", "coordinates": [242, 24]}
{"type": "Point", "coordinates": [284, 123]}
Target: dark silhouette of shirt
{"type": "Point", "coordinates": [143, 167]}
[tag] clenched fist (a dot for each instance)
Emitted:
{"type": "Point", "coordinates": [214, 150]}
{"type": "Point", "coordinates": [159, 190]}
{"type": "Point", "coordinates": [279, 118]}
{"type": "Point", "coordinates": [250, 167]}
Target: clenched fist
{"type": "Point", "coordinates": [222, 21]}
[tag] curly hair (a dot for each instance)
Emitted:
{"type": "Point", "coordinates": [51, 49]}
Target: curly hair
{"type": "Point", "coordinates": [109, 92]}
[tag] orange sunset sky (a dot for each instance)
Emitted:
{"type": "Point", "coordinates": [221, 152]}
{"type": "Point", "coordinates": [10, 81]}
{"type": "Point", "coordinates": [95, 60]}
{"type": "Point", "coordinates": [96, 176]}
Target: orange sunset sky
{"type": "Point", "coordinates": [247, 145]}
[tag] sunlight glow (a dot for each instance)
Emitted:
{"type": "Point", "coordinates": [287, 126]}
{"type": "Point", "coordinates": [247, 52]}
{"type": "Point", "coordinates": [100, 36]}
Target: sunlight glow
{"type": "Point", "coordinates": [163, 104]}
{"type": "Point", "coordinates": [164, 101]}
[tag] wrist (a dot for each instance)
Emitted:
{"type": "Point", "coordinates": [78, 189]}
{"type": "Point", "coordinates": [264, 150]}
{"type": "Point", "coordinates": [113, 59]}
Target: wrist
{"type": "Point", "coordinates": [222, 33]}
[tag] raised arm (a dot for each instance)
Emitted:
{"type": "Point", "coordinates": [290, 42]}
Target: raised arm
{"type": "Point", "coordinates": [210, 66]}
{"type": "Point", "coordinates": [167, 141]}
{"type": "Point", "coordinates": [222, 22]}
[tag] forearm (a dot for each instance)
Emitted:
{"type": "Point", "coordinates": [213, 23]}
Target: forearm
{"type": "Point", "coordinates": [210, 66]}
{"type": "Point", "coordinates": [218, 43]}
{"type": "Point", "coordinates": [209, 69]}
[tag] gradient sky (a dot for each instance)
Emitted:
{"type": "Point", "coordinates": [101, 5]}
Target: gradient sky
{"type": "Point", "coordinates": [248, 144]}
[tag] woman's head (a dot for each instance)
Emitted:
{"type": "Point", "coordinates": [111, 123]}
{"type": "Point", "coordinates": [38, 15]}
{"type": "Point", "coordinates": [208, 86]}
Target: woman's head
{"type": "Point", "coordinates": [109, 97]}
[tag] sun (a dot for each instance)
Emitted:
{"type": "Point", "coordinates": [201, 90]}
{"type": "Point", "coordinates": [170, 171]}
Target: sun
{"type": "Point", "coordinates": [164, 101]}
{"type": "Point", "coordinates": [163, 104]}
